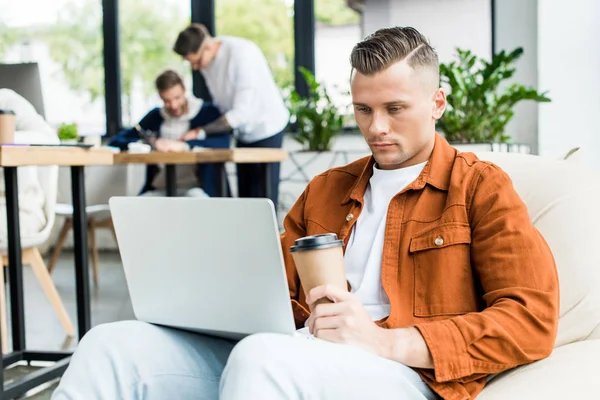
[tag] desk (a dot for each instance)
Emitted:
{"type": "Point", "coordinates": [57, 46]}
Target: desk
{"type": "Point", "coordinates": [12, 157]}
{"type": "Point", "coordinates": [207, 156]}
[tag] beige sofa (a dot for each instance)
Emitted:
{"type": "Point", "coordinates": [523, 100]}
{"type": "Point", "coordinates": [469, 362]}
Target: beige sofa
{"type": "Point", "coordinates": [563, 200]}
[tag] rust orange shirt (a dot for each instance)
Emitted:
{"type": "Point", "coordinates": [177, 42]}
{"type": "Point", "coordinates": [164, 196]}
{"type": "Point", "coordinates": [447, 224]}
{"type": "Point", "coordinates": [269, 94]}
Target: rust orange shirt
{"type": "Point", "coordinates": [461, 262]}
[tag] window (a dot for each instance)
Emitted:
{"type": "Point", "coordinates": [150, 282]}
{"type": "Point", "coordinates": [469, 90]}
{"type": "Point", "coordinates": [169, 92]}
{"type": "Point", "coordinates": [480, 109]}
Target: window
{"type": "Point", "coordinates": [269, 24]}
{"type": "Point", "coordinates": [148, 29]}
{"type": "Point", "coordinates": [65, 38]}
{"type": "Point", "coordinates": [337, 31]}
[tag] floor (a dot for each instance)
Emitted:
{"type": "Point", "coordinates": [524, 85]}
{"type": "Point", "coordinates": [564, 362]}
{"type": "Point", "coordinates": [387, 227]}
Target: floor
{"type": "Point", "coordinates": [110, 302]}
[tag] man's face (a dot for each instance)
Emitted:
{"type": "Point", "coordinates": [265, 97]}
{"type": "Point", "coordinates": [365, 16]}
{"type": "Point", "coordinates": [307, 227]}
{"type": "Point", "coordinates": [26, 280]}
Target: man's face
{"type": "Point", "coordinates": [174, 99]}
{"type": "Point", "coordinates": [396, 110]}
{"type": "Point", "coordinates": [203, 57]}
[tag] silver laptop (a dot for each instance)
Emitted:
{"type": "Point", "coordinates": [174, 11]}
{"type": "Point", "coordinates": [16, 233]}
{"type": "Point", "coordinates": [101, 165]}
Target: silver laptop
{"type": "Point", "coordinates": [212, 266]}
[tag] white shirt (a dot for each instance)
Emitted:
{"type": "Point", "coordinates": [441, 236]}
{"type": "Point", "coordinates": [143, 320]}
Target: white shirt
{"type": "Point", "coordinates": [241, 84]}
{"type": "Point", "coordinates": [365, 246]}
{"type": "Point", "coordinates": [173, 128]}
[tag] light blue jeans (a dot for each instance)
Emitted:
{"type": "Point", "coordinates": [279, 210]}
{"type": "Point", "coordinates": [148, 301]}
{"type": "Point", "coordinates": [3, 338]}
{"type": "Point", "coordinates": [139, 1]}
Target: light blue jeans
{"type": "Point", "coordinates": [135, 360]}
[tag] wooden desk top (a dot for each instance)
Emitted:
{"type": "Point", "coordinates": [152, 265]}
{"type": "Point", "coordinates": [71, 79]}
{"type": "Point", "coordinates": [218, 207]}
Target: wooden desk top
{"type": "Point", "coordinates": [258, 155]}
{"type": "Point", "coordinates": [16, 156]}
{"type": "Point", "coordinates": [245, 155]}
{"type": "Point", "coordinates": [155, 157]}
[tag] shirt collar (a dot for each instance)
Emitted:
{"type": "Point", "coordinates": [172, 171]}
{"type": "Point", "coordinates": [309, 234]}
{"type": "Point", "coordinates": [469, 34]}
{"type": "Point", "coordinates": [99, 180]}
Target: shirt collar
{"type": "Point", "coordinates": [436, 173]}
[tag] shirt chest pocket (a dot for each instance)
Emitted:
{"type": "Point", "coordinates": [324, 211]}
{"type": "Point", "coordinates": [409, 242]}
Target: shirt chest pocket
{"type": "Point", "coordinates": [443, 280]}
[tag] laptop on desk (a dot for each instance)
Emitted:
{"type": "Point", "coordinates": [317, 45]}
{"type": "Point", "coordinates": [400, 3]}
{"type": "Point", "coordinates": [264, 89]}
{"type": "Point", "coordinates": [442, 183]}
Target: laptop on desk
{"type": "Point", "coordinates": [212, 266]}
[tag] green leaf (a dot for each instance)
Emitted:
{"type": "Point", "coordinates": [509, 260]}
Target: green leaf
{"type": "Point", "coordinates": [318, 119]}
{"type": "Point", "coordinates": [68, 131]}
{"type": "Point", "coordinates": [480, 103]}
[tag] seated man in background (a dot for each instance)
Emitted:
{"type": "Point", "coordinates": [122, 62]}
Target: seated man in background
{"type": "Point", "coordinates": [180, 114]}
{"type": "Point", "coordinates": [30, 128]}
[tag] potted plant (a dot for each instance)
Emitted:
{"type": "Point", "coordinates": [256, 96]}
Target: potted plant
{"type": "Point", "coordinates": [68, 133]}
{"type": "Point", "coordinates": [317, 120]}
{"type": "Point", "coordinates": [479, 103]}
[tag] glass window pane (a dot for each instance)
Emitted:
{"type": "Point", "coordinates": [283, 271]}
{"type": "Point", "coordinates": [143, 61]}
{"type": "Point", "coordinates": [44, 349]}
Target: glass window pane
{"type": "Point", "coordinates": [148, 29]}
{"type": "Point", "coordinates": [269, 24]}
{"type": "Point", "coordinates": [65, 38]}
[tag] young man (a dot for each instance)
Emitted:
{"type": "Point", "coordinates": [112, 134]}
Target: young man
{"type": "Point", "coordinates": [450, 282]}
{"type": "Point", "coordinates": [181, 113]}
{"type": "Point", "coordinates": [241, 85]}
{"type": "Point", "coordinates": [30, 128]}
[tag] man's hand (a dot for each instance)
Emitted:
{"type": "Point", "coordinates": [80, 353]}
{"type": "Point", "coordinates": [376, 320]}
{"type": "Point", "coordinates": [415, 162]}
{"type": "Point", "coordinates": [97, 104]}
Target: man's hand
{"type": "Point", "coordinates": [167, 145]}
{"type": "Point", "coordinates": [192, 134]}
{"type": "Point", "coordinates": [345, 321]}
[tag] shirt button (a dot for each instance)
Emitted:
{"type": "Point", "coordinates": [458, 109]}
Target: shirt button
{"type": "Point", "coordinates": [438, 241]}
{"type": "Point", "coordinates": [349, 217]}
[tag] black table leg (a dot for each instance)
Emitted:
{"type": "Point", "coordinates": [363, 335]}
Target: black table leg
{"type": "Point", "coordinates": [171, 180]}
{"type": "Point", "coordinates": [267, 183]}
{"type": "Point", "coordinates": [59, 359]}
{"type": "Point", "coordinates": [221, 179]}
{"type": "Point", "coordinates": [82, 274]}
{"type": "Point", "coordinates": [15, 266]}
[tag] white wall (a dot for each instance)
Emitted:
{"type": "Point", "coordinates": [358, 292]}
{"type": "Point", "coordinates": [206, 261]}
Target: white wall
{"type": "Point", "coordinates": [447, 23]}
{"type": "Point", "coordinates": [517, 26]}
{"type": "Point", "coordinates": [377, 15]}
{"type": "Point", "coordinates": [569, 66]}
{"type": "Point", "coordinates": [333, 45]}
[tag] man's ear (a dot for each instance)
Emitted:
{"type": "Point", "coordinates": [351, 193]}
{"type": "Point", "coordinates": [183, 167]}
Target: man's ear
{"type": "Point", "coordinates": [439, 103]}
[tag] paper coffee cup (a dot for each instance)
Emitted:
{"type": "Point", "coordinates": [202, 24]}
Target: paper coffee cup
{"type": "Point", "coordinates": [8, 123]}
{"type": "Point", "coordinates": [319, 261]}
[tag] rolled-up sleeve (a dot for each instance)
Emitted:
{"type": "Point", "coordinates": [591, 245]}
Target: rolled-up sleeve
{"type": "Point", "coordinates": [519, 282]}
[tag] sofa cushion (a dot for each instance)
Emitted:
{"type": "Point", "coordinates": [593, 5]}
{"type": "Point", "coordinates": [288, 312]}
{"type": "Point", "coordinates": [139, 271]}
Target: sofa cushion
{"type": "Point", "coordinates": [571, 372]}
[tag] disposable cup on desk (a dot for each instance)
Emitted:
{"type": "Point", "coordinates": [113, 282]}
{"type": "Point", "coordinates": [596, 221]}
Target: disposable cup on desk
{"type": "Point", "coordinates": [8, 125]}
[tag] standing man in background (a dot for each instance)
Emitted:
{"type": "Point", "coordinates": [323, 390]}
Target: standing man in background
{"type": "Point", "coordinates": [241, 85]}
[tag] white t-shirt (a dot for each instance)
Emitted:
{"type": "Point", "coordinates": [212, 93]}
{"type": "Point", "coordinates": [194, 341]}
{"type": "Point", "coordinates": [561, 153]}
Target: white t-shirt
{"type": "Point", "coordinates": [365, 246]}
{"type": "Point", "coordinates": [173, 128]}
{"type": "Point", "coordinates": [241, 84]}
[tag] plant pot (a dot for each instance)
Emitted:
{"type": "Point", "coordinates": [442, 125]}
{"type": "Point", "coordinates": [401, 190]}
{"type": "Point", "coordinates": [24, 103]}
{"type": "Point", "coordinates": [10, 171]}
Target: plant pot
{"type": "Point", "coordinates": [69, 141]}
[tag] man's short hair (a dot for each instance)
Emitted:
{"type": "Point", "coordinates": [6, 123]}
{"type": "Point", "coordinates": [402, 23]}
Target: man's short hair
{"type": "Point", "coordinates": [190, 39]}
{"type": "Point", "coordinates": [167, 80]}
{"type": "Point", "coordinates": [387, 46]}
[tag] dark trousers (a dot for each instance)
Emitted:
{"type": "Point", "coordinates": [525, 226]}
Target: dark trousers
{"type": "Point", "coordinates": [205, 173]}
{"type": "Point", "coordinates": [251, 176]}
